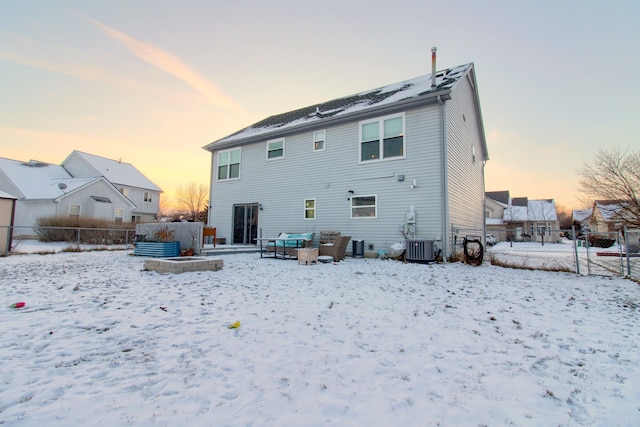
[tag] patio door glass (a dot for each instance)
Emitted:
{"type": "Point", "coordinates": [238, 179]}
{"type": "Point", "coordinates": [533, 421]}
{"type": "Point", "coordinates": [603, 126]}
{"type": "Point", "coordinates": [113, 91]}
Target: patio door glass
{"type": "Point", "coordinates": [245, 223]}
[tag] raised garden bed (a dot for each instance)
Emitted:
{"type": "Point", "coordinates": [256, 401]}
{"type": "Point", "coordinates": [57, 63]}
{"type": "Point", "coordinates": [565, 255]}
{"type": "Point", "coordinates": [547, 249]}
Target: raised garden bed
{"type": "Point", "coordinates": [157, 249]}
{"type": "Point", "coordinates": [182, 264]}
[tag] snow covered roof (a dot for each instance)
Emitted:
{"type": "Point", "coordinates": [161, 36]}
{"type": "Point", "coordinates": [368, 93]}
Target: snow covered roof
{"type": "Point", "coordinates": [4, 195]}
{"type": "Point", "coordinates": [30, 177]}
{"type": "Point", "coordinates": [116, 172]}
{"type": "Point", "coordinates": [534, 210]}
{"type": "Point", "coordinates": [413, 90]}
{"type": "Point", "coordinates": [57, 188]}
{"type": "Point", "coordinates": [493, 221]}
{"type": "Point", "coordinates": [580, 215]}
{"type": "Point", "coordinates": [609, 208]}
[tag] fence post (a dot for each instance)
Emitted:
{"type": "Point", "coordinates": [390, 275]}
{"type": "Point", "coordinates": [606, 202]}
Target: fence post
{"type": "Point", "coordinates": [575, 248]}
{"type": "Point", "coordinates": [626, 246]}
{"type": "Point", "coordinates": [586, 244]}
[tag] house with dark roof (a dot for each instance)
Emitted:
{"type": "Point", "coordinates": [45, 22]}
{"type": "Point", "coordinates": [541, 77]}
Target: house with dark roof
{"type": "Point", "coordinates": [80, 187]}
{"type": "Point", "coordinates": [401, 161]}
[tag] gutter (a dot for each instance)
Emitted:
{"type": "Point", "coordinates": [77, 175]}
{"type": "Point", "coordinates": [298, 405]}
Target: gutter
{"type": "Point", "coordinates": [445, 181]}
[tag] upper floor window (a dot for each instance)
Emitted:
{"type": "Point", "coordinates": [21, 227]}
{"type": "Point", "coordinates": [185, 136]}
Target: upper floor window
{"type": "Point", "coordinates": [118, 214]}
{"type": "Point", "coordinates": [275, 148]}
{"type": "Point", "coordinates": [364, 206]}
{"type": "Point", "coordinates": [318, 140]}
{"type": "Point", "coordinates": [229, 164]}
{"type": "Point", "coordinates": [74, 211]}
{"type": "Point", "coordinates": [382, 139]}
{"type": "Point", "coordinates": [147, 196]}
{"type": "Point", "coordinates": [124, 191]}
{"type": "Point", "coordinates": [310, 209]}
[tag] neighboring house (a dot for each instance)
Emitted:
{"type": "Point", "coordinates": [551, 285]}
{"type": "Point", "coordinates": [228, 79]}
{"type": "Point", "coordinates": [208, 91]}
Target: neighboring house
{"type": "Point", "coordinates": [139, 189]}
{"type": "Point", "coordinates": [402, 160]}
{"type": "Point", "coordinates": [606, 216]}
{"type": "Point", "coordinates": [494, 207]}
{"type": "Point", "coordinates": [522, 219]}
{"type": "Point", "coordinates": [7, 214]}
{"type": "Point", "coordinates": [580, 219]}
{"type": "Point", "coordinates": [48, 190]}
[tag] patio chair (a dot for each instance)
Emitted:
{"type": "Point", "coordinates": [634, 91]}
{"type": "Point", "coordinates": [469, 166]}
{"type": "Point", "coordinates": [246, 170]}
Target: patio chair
{"type": "Point", "coordinates": [328, 236]}
{"type": "Point", "coordinates": [337, 250]}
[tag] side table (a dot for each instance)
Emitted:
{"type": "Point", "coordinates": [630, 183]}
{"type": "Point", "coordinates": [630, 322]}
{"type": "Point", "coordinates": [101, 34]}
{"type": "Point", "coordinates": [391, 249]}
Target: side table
{"type": "Point", "coordinates": [308, 255]}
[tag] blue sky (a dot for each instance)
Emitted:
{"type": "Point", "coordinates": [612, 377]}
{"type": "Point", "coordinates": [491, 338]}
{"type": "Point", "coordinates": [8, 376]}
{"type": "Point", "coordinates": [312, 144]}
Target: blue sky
{"type": "Point", "coordinates": [152, 82]}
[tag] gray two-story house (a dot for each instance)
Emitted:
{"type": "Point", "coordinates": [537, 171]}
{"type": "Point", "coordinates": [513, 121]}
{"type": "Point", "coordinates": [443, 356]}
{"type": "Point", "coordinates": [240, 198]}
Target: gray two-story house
{"type": "Point", "coordinates": [402, 161]}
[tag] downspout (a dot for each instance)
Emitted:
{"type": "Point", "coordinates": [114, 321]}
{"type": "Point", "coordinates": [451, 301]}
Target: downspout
{"type": "Point", "coordinates": [445, 182]}
{"type": "Point", "coordinates": [211, 175]}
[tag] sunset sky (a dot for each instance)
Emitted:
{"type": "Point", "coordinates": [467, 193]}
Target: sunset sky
{"type": "Point", "coordinates": [152, 82]}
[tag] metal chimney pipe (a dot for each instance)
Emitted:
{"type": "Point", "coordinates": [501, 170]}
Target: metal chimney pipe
{"type": "Point", "coordinates": [433, 66]}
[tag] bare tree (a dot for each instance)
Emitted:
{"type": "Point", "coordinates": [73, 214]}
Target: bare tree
{"type": "Point", "coordinates": [192, 198]}
{"type": "Point", "coordinates": [614, 175]}
{"type": "Point", "coordinates": [163, 206]}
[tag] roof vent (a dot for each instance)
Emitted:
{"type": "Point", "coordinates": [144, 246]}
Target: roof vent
{"type": "Point", "coordinates": [62, 186]}
{"type": "Point", "coordinates": [433, 66]}
{"type": "Point", "coordinates": [35, 164]}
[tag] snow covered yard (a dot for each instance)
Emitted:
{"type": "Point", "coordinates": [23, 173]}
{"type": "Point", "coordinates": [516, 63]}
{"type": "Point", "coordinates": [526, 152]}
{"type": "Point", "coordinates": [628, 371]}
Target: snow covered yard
{"type": "Point", "coordinates": [362, 342]}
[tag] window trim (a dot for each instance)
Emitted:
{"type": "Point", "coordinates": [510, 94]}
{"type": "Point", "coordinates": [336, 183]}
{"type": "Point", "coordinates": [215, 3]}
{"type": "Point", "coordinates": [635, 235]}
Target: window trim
{"type": "Point", "coordinates": [381, 139]}
{"type": "Point", "coordinates": [228, 178]}
{"type": "Point", "coordinates": [375, 207]}
{"type": "Point", "coordinates": [271, 141]}
{"type": "Point", "coordinates": [74, 205]}
{"type": "Point", "coordinates": [116, 217]}
{"type": "Point", "coordinates": [324, 140]}
{"type": "Point", "coordinates": [147, 196]}
{"type": "Point", "coordinates": [314, 209]}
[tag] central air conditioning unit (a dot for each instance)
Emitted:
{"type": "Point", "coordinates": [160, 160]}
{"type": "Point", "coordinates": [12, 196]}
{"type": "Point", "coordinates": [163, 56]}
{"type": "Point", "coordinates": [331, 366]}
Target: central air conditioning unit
{"type": "Point", "coordinates": [420, 250]}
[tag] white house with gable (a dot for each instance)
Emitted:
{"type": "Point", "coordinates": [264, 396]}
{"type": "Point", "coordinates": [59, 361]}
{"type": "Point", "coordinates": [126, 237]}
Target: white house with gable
{"type": "Point", "coordinates": [80, 187]}
{"type": "Point", "coordinates": [403, 160]}
{"type": "Point", "coordinates": [135, 186]}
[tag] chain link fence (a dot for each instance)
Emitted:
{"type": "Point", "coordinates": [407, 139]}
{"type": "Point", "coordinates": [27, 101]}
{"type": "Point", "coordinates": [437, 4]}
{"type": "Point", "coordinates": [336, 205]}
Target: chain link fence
{"type": "Point", "coordinates": [78, 238]}
{"type": "Point", "coordinates": [605, 253]}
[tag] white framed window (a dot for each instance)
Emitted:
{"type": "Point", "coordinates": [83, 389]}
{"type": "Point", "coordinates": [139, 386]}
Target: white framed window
{"type": "Point", "coordinates": [318, 140]}
{"type": "Point", "coordinates": [74, 211]}
{"type": "Point", "coordinates": [309, 208]}
{"type": "Point", "coordinates": [147, 196]}
{"type": "Point", "coordinates": [118, 214]}
{"type": "Point", "coordinates": [124, 191]}
{"type": "Point", "coordinates": [364, 206]}
{"type": "Point", "coordinates": [473, 154]}
{"type": "Point", "coordinates": [229, 164]}
{"type": "Point", "coordinates": [275, 149]}
{"type": "Point", "coordinates": [382, 138]}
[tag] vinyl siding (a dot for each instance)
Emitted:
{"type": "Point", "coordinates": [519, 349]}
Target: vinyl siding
{"type": "Point", "coordinates": [465, 178]}
{"type": "Point", "coordinates": [281, 186]}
